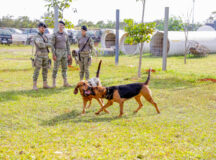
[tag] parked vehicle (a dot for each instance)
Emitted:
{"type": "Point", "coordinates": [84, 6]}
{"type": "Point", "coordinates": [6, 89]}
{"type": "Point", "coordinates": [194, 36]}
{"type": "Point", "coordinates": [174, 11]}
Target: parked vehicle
{"type": "Point", "coordinates": [77, 34]}
{"type": "Point", "coordinates": [91, 34]}
{"type": "Point", "coordinates": [17, 36]}
{"type": "Point", "coordinates": [71, 35]}
{"type": "Point", "coordinates": [30, 33]}
{"type": "Point", "coordinates": [49, 32]}
{"type": "Point", "coordinates": [5, 37]}
{"type": "Point", "coordinates": [98, 34]}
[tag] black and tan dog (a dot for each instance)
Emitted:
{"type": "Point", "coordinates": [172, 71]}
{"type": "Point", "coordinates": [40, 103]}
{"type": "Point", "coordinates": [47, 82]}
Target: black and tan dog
{"type": "Point", "coordinates": [82, 86]}
{"type": "Point", "coordinates": [122, 93]}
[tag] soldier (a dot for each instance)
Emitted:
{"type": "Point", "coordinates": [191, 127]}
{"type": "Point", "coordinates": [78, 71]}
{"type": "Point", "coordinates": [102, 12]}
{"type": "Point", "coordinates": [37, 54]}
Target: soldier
{"type": "Point", "coordinates": [41, 56]}
{"type": "Point", "coordinates": [61, 53]}
{"type": "Point", "coordinates": [85, 45]}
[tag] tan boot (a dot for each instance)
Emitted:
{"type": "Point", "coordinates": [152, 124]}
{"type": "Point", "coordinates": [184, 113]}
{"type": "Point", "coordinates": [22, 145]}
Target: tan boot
{"type": "Point", "coordinates": [45, 85]}
{"type": "Point", "coordinates": [54, 83]}
{"type": "Point", "coordinates": [35, 85]}
{"type": "Point", "coordinates": [66, 84]}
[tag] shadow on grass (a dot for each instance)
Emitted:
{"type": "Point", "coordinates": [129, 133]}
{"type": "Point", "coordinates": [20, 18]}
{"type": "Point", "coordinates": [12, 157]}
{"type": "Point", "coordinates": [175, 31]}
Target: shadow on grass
{"type": "Point", "coordinates": [76, 117]}
{"type": "Point", "coordinates": [14, 95]}
{"type": "Point", "coordinates": [171, 83]}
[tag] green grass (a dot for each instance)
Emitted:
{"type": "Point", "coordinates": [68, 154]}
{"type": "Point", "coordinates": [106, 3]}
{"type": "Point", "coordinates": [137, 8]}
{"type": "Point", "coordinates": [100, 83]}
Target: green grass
{"type": "Point", "coordinates": [47, 124]}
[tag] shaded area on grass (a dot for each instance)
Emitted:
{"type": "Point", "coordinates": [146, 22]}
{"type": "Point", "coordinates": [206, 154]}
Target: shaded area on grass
{"type": "Point", "coordinates": [14, 95]}
{"type": "Point", "coordinates": [73, 117]}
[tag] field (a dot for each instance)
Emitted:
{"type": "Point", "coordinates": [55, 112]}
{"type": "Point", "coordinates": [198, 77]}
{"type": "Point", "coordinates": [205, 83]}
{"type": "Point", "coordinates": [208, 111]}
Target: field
{"type": "Point", "coordinates": [47, 124]}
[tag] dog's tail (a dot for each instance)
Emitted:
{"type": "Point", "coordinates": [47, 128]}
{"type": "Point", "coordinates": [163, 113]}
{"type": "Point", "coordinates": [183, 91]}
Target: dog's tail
{"type": "Point", "coordinates": [99, 67]}
{"type": "Point", "coordinates": [149, 76]}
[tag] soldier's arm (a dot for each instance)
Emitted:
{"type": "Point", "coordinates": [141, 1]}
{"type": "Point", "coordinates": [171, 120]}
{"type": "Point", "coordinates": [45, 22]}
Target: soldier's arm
{"type": "Point", "coordinates": [53, 41]}
{"type": "Point", "coordinates": [91, 44]}
{"type": "Point", "coordinates": [68, 45]}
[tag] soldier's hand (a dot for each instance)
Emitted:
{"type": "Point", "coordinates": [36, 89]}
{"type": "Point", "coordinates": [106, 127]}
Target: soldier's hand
{"type": "Point", "coordinates": [69, 57]}
{"type": "Point", "coordinates": [54, 57]}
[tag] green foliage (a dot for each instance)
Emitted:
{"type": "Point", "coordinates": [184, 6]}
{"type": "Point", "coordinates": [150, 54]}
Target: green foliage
{"type": "Point", "coordinates": [62, 4]}
{"type": "Point", "coordinates": [212, 17]}
{"type": "Point", "coordinates": [49, 16]}
{"type": "Point", "coordinates": [138, 33]}
{"type": "Point", "coordinates": [100, 24]}
{"type": "Point", "coordinates": [20, 22]}
{"type": "Point", "coordinates": [82, 22]}
{"type": "Point", "coordinates": [48, 19]}
{"type": "Point", "coordinates": [175, 24]}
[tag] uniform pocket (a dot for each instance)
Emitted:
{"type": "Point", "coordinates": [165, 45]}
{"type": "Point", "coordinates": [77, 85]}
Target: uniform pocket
{"type": "Point", "coordinates": [38, 62]}
{"type": "Point", "coordinates": [90, 60]}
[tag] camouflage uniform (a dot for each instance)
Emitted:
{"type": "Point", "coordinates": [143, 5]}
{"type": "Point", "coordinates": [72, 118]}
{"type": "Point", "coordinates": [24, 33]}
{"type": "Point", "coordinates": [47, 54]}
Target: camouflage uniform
{"type": "Point", "coordinates": [61, 49]}
{"type": "Point", "coordinates": [41, 56]}
{"type": "Point", "coordinates": [85, 56]}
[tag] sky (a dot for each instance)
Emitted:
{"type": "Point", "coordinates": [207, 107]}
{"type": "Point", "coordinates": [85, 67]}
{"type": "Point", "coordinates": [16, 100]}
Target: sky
{"type": "Point", "coordinates": [95, 10]}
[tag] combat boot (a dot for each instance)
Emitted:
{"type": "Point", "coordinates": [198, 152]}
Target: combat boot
{"type": "Point", "coordinates": [45, 85]}
{"type": "Point", "coordinates": [66, 84]}
{"type": "Point", "coordinates": [54, 83]}
{"type": "Point", "coordinates": [35, 85]}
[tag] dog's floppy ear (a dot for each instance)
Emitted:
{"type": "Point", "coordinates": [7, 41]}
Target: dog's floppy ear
{"type": "Point", "coordinates": [76, 89]}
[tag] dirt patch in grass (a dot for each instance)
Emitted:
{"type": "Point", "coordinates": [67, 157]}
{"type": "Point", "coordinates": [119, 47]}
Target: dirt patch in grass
{"type": "Point", "coordinates": [152, 70]}
{"type": "Point", "coordinates": [72, 68]}
{"type": "Point", "coordinates": [209, 79]}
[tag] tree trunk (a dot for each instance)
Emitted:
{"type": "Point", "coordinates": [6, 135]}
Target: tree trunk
{"type": "Point", "coordinates": [143, 11]}
{"type": "Point", "coordinates": [186, 46]}
{"type": "Point", "coordinates": [140, 60]}
{"type": "Point", "coordinates": [142, 44]}
{"type": "Point", "coordinates": [185, 58]}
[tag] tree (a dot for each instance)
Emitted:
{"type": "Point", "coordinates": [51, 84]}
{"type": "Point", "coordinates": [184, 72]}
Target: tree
{"type": "Point", "coordinates": [138, 34]}
{"type": "Point", "coordinates": [20, 22]}
{"type": "Point", "coordinates": [100, 24]}
{"type": "Point", "coordinates": [187, 25]}
{"type": "Point", "coordinates": [62, 5]}
{"type": "Point", "coordinates": [175, 24]}
{"type": "Point", "coordinates": [82, 22]}
{"type": "Point", "coordinates": [212, 17]}
{"type": "Point", "coordinates": [48, 19]}
{"type": "Point", "coordinates": [142, 44]}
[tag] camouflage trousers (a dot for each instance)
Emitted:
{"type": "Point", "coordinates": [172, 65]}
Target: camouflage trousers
{"type": "Point", "coordinates": [41, 61]}
{"type": "Point", "coordinates": [84, 66]}
{"type": "Point", "coordinates": [61, 59]}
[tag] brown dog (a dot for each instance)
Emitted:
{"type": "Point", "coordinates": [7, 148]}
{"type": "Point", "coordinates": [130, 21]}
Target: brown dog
{"type": "Point", "coordinates": [85, 85]}
{"type": "Point", "coordinates": [122, 93]}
